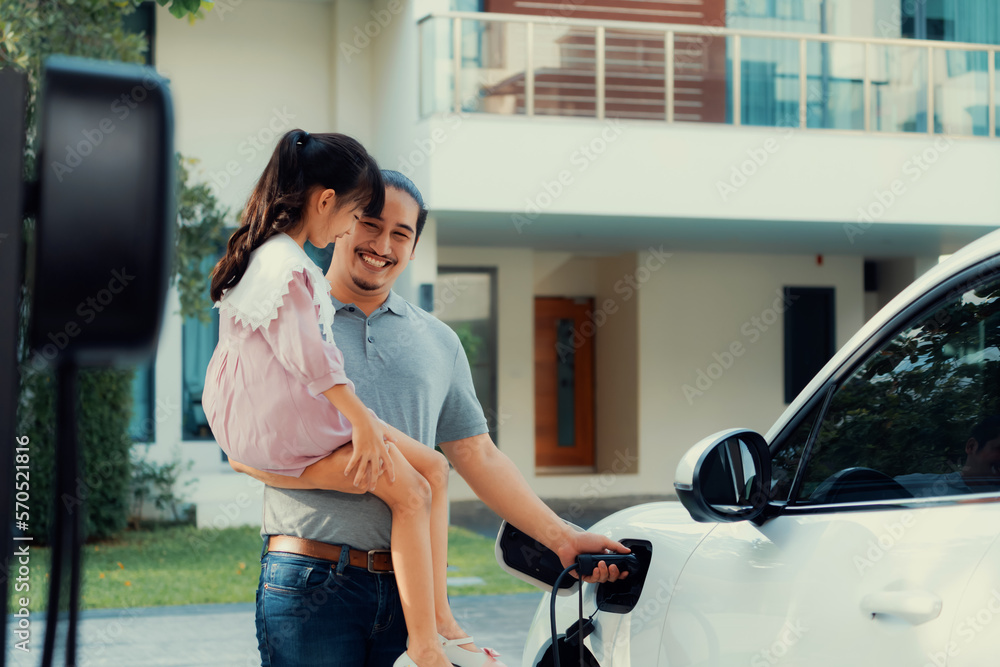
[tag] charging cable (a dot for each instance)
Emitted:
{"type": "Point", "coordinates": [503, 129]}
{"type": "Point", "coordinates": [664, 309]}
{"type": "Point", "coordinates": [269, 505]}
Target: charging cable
{"type": "Point", "coordinates": [584, 563]}
{"type": "Point", "coordinates": [552, 615]}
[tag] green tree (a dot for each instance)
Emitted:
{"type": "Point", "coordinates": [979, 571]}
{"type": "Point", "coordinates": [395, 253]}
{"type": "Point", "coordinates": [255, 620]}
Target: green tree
{"type": "Point", "coordinates": [30, 31]}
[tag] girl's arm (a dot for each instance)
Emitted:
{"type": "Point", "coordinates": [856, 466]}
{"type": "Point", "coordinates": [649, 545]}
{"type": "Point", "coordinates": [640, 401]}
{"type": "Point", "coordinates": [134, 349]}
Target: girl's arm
{"type": "Point", "coordinates": [370, 456]}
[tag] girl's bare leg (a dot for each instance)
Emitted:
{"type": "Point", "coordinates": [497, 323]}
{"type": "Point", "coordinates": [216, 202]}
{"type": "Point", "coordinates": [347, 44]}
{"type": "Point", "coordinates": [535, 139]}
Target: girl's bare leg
{"type": "Point", "coordinates": [433, 466]}
{"type": "Point", "coordinates": [409, 499]}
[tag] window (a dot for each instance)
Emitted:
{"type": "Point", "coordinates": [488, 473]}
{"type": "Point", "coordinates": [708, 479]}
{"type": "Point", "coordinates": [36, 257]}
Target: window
{"type": "Point", "coordinates": [465, 299]}
{"type": "Point", "coordinates": [142, 428]}
{"type": "Point", "coordinates": [809, 335]}
{"type": "Point", "coordinates": [919, 416]}
{"type": "Point", "coordinates": [143, 21]}
{"type": "Point", "coordinates": [198, 341]}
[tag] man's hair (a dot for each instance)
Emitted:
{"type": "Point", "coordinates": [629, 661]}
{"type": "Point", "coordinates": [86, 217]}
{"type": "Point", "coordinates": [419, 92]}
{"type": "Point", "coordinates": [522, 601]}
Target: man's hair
{"type": "Point", "coordinates": [397, 181]}
{"type": "Point", "coordinates": [986, 430]}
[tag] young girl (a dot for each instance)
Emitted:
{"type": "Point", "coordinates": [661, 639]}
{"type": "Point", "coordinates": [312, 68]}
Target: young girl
{"type": "Point", "coordinates": [276, 395]}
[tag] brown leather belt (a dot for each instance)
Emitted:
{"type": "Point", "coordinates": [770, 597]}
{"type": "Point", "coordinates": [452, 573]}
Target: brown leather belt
{"type": "Point", "coordinates": [378, 561]}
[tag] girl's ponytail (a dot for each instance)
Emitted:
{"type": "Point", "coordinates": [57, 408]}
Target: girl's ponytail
{"type": "Point", "coordinates": [300, 162]}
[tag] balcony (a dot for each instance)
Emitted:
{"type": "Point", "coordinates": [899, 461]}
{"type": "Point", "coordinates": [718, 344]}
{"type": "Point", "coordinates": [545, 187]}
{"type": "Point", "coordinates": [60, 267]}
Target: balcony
{"type": "Point", "coordinates": [532, 66]}
{"type": "Point", "coordinates": [605, 136]}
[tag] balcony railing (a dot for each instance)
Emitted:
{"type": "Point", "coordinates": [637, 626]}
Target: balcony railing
{"type": "Point", "coordinates": [552, 66]}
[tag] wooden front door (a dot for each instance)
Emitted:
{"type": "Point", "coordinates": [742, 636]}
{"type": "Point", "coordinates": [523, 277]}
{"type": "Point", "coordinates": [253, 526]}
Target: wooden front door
{"type": "Point", "coordinates": [564, 383]}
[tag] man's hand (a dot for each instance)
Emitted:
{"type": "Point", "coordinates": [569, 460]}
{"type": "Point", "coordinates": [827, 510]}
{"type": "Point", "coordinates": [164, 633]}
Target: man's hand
{"type": "Point", "coordinates": [592, 543]}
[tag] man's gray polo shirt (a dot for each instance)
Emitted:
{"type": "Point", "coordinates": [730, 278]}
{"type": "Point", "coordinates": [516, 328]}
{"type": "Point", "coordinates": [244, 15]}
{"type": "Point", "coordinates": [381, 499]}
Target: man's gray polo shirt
{"type": "Point", "coordinates": [409, 368]}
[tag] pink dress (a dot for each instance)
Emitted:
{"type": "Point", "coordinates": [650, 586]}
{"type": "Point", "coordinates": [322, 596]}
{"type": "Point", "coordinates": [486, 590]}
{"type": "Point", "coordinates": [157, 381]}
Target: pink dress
{"type": "Point", "coordinates": [263, 389]}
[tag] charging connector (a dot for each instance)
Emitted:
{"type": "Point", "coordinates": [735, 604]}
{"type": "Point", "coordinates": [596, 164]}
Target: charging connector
{"type": "Point", "coordinates": [624, 562]}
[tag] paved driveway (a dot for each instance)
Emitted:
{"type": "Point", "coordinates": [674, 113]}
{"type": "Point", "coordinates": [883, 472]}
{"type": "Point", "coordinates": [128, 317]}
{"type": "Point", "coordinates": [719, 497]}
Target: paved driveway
{"type": "Point", "coordinates": [223, 635]}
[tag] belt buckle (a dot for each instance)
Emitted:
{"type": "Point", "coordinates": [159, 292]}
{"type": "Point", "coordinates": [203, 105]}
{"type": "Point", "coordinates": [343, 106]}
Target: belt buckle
{"type": "Point", "coordinates": [371, 561]}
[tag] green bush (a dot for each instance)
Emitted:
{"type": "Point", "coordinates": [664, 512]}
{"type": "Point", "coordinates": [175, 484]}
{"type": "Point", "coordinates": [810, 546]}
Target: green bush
{"type": "Point", "coordinates": [30, 32]}
{"type": "Point", "coordinates": [101, 491]}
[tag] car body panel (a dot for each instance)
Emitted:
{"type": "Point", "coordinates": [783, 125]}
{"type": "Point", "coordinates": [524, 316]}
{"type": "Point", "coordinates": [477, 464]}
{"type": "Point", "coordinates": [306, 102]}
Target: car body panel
{"type": "Point", "coordinates": [977, 617]}
{"type": "Point", "coordinates": [620, 638]}
{"type": "Point", "coordinates": [794, 590]}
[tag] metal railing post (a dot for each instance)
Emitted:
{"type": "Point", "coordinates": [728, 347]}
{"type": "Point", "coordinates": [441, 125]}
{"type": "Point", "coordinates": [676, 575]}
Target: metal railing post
{"type": "Point", "coordinates": [599, 39]}
{"type": "Point", "coordinates": [930, 90]}
{"type": "Point", "coordinates": [529, 71]}
{"type": "Point", "coordinates": [429, 83]}
{"type": "Point", "coordinates": [867, 88]}
{"type": "Point", "coordinates": [803, 85]}
{"type": "Point", "coordinates": [991, 69]}
{"type": "Point", "coordinates": [668, 75]}
{"type": "Point", "coordinates": [737, 83]}
{"type": "Point", "coordinates": [456, 45]}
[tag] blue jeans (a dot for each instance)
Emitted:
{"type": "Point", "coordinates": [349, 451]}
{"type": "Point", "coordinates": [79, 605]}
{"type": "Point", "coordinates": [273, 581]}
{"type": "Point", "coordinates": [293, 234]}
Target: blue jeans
{"type": "Point", "coordinates": [314, 613]}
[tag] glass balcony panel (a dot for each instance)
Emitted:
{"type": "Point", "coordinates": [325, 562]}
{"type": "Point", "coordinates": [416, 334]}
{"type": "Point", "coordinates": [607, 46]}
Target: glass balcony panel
{"type": "Point", "coordinates": [635, 76]}
{"type": "Point", "coordinates": [494, 59]}
{"type": "Point", "coordinates": [700, 78]}
{"type": "Point", "coordinates": [436, 69]}
{"type": "Point", "coordinates": [835, 91]}
{"type": "Point", "coordinates": [961, 92]}
{"type": "Point", "coordinates": [769, 82]}
{"type": "Point", "coordinates": [565, 70]}
{"type": "Point", "coordinates": [899, 88]}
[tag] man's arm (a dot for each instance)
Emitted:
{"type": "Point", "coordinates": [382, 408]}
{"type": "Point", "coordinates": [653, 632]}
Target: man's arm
{"type": "Point", "coordinates": [499, 484]}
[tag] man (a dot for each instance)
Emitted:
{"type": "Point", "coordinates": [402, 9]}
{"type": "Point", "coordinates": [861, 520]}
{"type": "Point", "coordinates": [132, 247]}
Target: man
{"type": "Point", "coordinates": [980, 474]}
{"type": "Point", "coordinates": [315, 606]}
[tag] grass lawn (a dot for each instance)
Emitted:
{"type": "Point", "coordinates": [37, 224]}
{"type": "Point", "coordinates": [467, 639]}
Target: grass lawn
{"type": "Point", "coordinates": [183, 565]}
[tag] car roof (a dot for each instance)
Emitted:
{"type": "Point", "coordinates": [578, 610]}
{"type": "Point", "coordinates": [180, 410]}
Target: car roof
{"type": "Point", "coordinates": [970, 255]}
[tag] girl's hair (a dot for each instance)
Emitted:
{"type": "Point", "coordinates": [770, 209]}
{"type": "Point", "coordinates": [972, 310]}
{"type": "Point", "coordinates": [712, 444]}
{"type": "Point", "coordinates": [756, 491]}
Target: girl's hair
{"type": "Point", "coordinates": [397, 181]}
{"type": "Point", "coordinates": [300, 163]}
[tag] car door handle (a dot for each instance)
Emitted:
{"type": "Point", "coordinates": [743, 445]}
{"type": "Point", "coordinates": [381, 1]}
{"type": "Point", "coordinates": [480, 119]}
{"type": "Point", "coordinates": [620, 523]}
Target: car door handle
{"type": "Point", "coordinates": [913, 606]}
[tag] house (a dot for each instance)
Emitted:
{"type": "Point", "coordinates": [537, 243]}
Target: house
{"type": "Point", "coordinates": [650, 219]}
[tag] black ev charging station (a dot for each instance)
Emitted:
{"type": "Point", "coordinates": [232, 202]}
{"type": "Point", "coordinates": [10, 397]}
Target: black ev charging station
{"type": "Point", "coordinates": [100, 262]}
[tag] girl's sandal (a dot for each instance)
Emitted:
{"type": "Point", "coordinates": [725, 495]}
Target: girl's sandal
{"type": "Point", "coordinates": [404, 661]}
{"type": "Point", "coordinates": [485, 657]}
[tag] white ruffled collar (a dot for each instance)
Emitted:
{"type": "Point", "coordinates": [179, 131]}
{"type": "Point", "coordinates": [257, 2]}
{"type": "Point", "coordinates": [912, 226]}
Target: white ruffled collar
{"type": "Point", "coordinates": [254, 301]}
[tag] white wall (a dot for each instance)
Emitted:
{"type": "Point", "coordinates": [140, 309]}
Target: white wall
{"type": "Point", "coordinates": [709, 171]}
{"type": "Point", "coordinates": [240, 79]}
{"type": "Point", "coordinates": [692, 313]}
{"type": "Point", "coordinates": [669, 315]}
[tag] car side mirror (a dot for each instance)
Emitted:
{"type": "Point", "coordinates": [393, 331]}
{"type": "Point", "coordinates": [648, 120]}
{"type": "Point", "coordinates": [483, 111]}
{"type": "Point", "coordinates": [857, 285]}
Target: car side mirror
{"type": "Point", "coordinates": [726, 477]}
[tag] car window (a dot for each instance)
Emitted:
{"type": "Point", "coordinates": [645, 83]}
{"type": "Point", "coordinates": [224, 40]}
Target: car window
{"type": "Point", "coordinates": [786, 455]}
{"type": "Point", "coordinates": [918, 417]}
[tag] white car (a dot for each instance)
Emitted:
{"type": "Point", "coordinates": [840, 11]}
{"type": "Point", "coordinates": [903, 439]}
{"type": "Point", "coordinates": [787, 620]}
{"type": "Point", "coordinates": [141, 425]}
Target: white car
{"type": "Point", "coordinates": [862, 530]}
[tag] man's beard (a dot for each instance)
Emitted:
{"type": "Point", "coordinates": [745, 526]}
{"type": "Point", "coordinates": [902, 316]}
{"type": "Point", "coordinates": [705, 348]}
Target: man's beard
{"type": "Point", "coordinates": [368, 287]}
